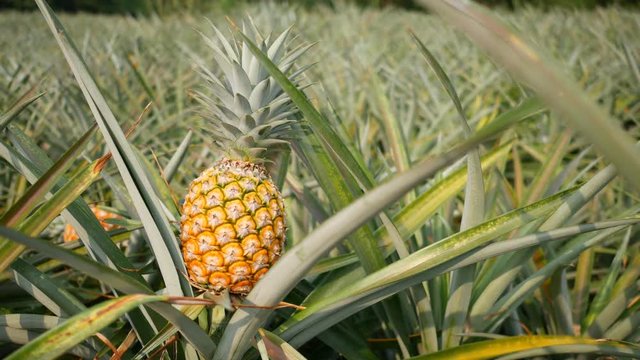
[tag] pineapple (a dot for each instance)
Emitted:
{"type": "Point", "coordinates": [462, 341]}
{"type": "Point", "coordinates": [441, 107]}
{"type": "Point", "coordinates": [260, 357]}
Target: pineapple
{"type": "Point", "coordinates": [70, 234]}
{"type": "Point", "coordinates": [233, 221]}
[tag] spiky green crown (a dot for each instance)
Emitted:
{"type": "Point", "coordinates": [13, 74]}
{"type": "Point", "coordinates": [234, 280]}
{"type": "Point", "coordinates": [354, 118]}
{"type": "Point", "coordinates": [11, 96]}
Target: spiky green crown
{"type": "Point", "coordinates": [248, 113]}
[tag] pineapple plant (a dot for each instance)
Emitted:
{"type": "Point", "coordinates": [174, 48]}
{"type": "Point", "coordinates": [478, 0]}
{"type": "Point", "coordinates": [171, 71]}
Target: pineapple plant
{"type": "Point", "coordinates": [233, 219]}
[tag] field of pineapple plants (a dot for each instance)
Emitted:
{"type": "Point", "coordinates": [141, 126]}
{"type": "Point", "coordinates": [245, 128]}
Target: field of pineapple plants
{"type": "Point", "coordinates": [292, 183]}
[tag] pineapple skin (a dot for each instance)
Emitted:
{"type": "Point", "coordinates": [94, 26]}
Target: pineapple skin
{"type": "Point", "coordinates": [232, 226]}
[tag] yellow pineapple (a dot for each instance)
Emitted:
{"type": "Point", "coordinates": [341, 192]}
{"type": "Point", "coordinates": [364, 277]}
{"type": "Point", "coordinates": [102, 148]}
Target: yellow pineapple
{"type": "Point", "coordinates": [70, 234]}
{"type": "Point", "coordinates": [233, 221]}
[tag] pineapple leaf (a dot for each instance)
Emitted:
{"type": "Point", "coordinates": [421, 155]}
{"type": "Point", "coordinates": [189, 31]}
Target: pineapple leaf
{"type": "Point", "coordinates": [49, 293]}
{"type": "Point", "coordinates": [603, 296]}
{"type": "Point", "coordinates": [48, 211]}
{"type": "Point", "coordinates": [37, 192]}
{"type": "Point", "coordinates": [533, 346]}
{"type": "Point", "coordinates": [178, 157]}
{"type": "Point", "coordinates": [507, 269]}
{"type": "Point", "coordinates": [519, 293]}
{"type": "Point", "coordinates": [30, 321]}
{"type": "Point", "coordinates": [60, 339]}
{"type": "Point", "coordinates": [159, 232]}
{"type": "Point", "coordinates": [316, 317]}
{"type": "Point", "coordinates": [22, 336]}
{"type": "Point", "coordinates": [617, 305]}
{"type": "Point", "coordinates": [120, 282]}
{"type": "Point", "coordinates": [22, 103]}
{"type": "Point", "coordinates": [276, 348]}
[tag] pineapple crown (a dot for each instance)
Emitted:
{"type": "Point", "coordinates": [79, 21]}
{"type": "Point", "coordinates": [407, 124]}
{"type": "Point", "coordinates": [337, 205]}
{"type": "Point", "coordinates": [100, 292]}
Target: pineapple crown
{"type": "Point", "coordinates": [249, 114]}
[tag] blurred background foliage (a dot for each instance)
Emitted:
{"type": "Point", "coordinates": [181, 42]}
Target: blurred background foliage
{"type": "Point", "coordinates": [164, 7]}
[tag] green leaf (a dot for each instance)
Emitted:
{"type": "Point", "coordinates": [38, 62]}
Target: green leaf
{"type": "Point", "coordinates": [139, 186]}
{"type": "Point", "coordinates": [120, 282]}
{"type": "Point", "coordinates": [22, 336]}
{"type": "Point", "coordinates": [30, 321]}
{"type": "Point", "coordinates": [176, 159]}
{"type": "Point", "coordinates": [505, 270]}
{"type": "Point", "coordinates": [603, 296]}
{"type": "Point", "coordinates": [62, 338]}
{"type": "Point", "coordinates": [96, 239]}
{"type": "Point", "coordinates": [618, 304]}
{"type": "Point", "coordinates": [98, 243]}
{"type": "Point", "coordinates": [461, 281]}
{"type": "Point", "coordinates": [50, 294]}
{"type": "Point", "coordinates": [191, 311]}
{"type": "Point", "coordinates": [41, 218]}
{"type": "Point", "coordinates": [298, 333]}
{"type": "Point", "coordinates": [278, 349]}
{"type": "Point", "coordinates": [36, 193]}
{"type": "Point", "coordinates": [507, 303]}
{"type": "Point", "coordinates": [25, 100]}
{"type": "Point", "coordinates": [492, 349]}
{"type": "Point", "coordinates": [408, 271]}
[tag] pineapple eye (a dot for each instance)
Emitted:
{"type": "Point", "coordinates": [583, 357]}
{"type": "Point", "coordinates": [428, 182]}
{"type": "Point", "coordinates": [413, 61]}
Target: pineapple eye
{"type": "Point", "coordinates": [267, 236]}
{"type": "Point", "coordinates": [234, 209]}
{"type": "Point", "coordinates": [213, 260]}
{"type": "Point", "coordinates": [207, 185]}
{"type": "Point", "coordinates": [224, 234]}
{"type": "Point", "coordinates": [206, 241]}
{"type": "Point", "coordinates": [252, 201]}
{"type": "Point", "coordinates": [224, 179]}
{"type": "Point", "coordinates": [261, 257]}
{"type": "Point", "coordinates": [242, 287]}
{"type": "Point", "coordinates": [194, 192]}
{"type": "Point", "coordinates": [197, 205]}
{"type": "Point", "coordinates": [216, 216]}
{"type": "Point", "coordinates": [250, 244]}
{"type": "Point", "coordinates": [232, 191]}
{"type": "Point", "coordinates": [264, 193]}
{"type": "Point", "coordinates": [232, 253]}
{"type": "Point", "coordinates": [263, 217]}
{"type": "Point", "coordinates": [240, 268]}
{"type": "Point", "coordinates": [245, 226]}
{"type": "Point", "coordinates": [214, 198]}
{"type": "Point", "coordinates": [191, 250]}
{"type": "Point", "coordinates": [247, 184]}
{"type": "Point", "coordinates": [198, 271]}
{"type": "Point", "coordinates": [279, 226]}
{"type": "Point", "coordinates": [274, 208]}
{"type": "Point", "coordinates": [199, 224]}
{"type": "Point", "coordinates": [218, 281]}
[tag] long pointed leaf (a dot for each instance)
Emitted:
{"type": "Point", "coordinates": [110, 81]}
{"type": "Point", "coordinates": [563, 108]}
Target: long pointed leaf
{"type": "Point", "coordinates": [159, 232]}
{"type": "Point", "coordinates": [298, 333]}
{"type": "Point", "coordinates": [119, 281]}
{"type": "Point", "coordinates": [492, 349]}
{"type": "Point", "coordinates": [58, 340]}
{"type": "Point", "coordinates": [25, 100]}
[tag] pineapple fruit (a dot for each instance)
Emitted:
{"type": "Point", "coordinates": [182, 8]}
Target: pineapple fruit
{"type": "Point", "coordinates": [70, 234]}
{"type": "Point", "coordinates": [233, 221]}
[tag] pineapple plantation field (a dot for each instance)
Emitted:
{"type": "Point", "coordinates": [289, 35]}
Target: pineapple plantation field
{"type": "Point", "coordinates": [461, 184]}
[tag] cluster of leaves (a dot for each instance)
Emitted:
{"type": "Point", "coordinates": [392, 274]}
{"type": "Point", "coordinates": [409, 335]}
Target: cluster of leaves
{"type": "Point", "coordinates": [440, 253]}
